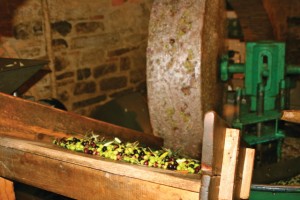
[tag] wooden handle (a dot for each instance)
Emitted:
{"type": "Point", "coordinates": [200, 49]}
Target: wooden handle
{"type": "Point", "coordinates": [291, 116]}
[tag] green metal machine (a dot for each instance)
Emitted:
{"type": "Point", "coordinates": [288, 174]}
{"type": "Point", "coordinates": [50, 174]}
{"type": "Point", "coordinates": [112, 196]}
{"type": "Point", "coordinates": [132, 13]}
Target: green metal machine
{"type": "Point", "coordinates": [264, 94]}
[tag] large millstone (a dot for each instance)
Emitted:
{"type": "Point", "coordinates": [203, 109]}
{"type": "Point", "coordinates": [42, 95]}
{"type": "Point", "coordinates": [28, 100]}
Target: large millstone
{"type": "Point", "coordinates": [185, 40]}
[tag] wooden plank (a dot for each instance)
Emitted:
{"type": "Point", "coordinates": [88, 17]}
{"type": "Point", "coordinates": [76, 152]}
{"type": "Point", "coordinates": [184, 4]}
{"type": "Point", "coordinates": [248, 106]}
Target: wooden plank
{"type": "Point", "coordinates": [30, 120]}
{"type": "Point", "coordinates": [6, 189]}
{"type": "Point", "coordinates": [214, 188]}
{"type": "Point", "coordinates": [291, 116]}
{"type": "Point", "coordinates": [189, 182]}
{"type": "Point", "coordinates": [244, 173]}
{"type": "Point", "coordinates": [82, 182]}
{"type": "Point", "coordinates": [229, 164]}
{"type": "Point", "coordinates": [213, 143]}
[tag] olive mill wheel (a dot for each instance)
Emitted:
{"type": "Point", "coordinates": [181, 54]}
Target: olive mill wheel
{"type": "Point", "coordinates": [184, 44]}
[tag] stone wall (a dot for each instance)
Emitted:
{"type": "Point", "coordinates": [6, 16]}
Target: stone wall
{"type": "Point", "coordinates": [96, 48]}
{"type": "Point", "coordinates": [285, 19]}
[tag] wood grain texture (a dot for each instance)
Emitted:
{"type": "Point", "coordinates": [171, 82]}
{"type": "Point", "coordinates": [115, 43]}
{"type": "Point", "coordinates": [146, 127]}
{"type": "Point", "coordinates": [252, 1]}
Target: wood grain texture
{"type": "Point", "coordinates": [244, 173]}
{"type": "Point", "coordinates": [188, 182]}
{"type": "Point", "coordinates": [81, 182]}
{"type": "Point", "coordinates": [229, 163]}
{"type": "Point", "coordinates": [28, 155]}
{"type": "Point", "coordinates": [30, 120]}
{"type": "Point", "coordinates": [291, 116]}
{"type": "Point", "coordinates": [6, 189]}
{"type": "Point", "coordinates": [214, 188]}
{"type": "Point", "coordinates": [213, 143]}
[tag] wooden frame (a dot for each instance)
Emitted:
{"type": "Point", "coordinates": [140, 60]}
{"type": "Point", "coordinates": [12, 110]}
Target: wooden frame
{"type": "Point", "coordinates": [28, 156]}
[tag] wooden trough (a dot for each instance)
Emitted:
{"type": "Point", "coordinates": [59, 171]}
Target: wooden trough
{"type": "Point", "coordinates": [27, 155]}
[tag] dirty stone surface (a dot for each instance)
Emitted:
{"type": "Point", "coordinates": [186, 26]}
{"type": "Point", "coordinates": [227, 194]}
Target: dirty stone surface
{"type": "Point", "coordinates": [183, 45]}
{"type": "Point", "coordinates": [291, 148]}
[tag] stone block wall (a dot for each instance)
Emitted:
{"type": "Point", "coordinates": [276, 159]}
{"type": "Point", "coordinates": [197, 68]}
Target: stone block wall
{"type": "Point", "coordinates": [96, 48]}
{"type": "Point", "coordinates": [285, 19]}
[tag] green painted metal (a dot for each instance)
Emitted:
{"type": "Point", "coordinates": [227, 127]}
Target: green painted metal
{"type": "Point", "coordinates": [266, 192]}
{"type": "Point", "coordinates": [264, 94]}
{"type": "Point", "coordinates": [292, 70]}
{"type": "Point", "coordinates": [253, 118]}
{"type": "Point", "coordinates": [224, 68]}
{"type": "Point", "coordinates": [228, 69]}
{"type": "Point", "coordinates": [265, 65]}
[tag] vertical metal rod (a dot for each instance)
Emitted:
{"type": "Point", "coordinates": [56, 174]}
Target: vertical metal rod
{"type": "Point", "coordinates": [260, 100]}
{"type": "Point", "coordinates": [238, 104]}
{"type": "Point", "coordinates": [282, 96]}
{"type": "Point", "coordinates": [259, 112]}
{"type": "Point", "coordinates": [260, 106]}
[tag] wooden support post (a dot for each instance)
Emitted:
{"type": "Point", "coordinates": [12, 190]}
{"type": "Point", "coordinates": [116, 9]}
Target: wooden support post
{"type": "Point", "coordinates": [244, 173]}
{"type": "Point", "coordinates": [220, 162]}
{"type": "Point", "coordinates": [229, 163]}
{"type": "Point", "coordinates": [6, 190]}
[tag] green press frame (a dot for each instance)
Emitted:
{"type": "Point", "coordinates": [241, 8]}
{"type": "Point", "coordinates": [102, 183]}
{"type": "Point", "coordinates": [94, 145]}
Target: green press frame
{"type": "Point", "coordinates": [263, 96]}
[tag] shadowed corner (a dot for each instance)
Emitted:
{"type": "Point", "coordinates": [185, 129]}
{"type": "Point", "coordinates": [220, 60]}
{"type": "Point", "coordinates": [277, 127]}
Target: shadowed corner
{"type": "Point", "coordinates": [7, 12]}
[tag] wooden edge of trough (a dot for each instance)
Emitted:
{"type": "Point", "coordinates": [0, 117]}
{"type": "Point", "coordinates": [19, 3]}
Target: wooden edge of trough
{"type": "Point", "coordinates": [190, 182]}
{"type": "Point", "coordinates": [26, 120]}
{"type": "Point", "coordinates": [31, 120]}
{"type": "Point", "coordinates": [82, 182]}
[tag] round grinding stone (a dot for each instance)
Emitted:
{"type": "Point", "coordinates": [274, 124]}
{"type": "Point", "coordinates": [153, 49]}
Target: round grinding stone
{"type": "Point", "coordinates": [184, 45]}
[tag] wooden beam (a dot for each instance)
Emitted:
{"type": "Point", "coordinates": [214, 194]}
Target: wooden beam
{"type": "Point", "coordinates": [229, 164]}
{"type": "Point", "coordinates": [75, 174]}
{"type": "Point", "coordinates": [6, 189]}
{"type": "Point", "coordinates": [244, 173]}
{"type": "Point", "coordinates": [213, 143]}
{"type": "Point", "coordinates": [291, 116]}
{"type": "Point", "coordinates": [31, 120]}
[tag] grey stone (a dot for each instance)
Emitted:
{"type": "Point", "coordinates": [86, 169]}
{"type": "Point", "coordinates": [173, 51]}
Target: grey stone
{"type": "Point", "coordinates": [104, 69]}
{"type": "Point", "coordinates": [65, 75]}
{"type": "Point", "coordinates": [84, 88]}
{"type": "Point", "coordinates": [107, 40]}
{"type": "Point", "coordinates": [21, 31]}
{"type": "Point", "coordinates": [88, 102]}
{"type": "Point", "coordinates": [62, 27]}
{"type": "Point", "coordinates": [89, 27]}
{"type": "Point", "coordinates": [60, 43]}
{"type": "Point", "coordinates": [125, 63]}
{"type": "Point", "coordinates": [137, 76]}
{"type": "Point", "coordinates": [113, 83]}
{"type": "Point", "coordinates": [60, 63]}
{"type": "Point", "coordinates": [83, 73]}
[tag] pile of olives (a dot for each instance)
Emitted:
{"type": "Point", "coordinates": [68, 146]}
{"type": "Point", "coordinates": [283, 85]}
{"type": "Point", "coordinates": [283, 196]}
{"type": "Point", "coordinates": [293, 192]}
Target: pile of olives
{"type": "Point", "coordinates": [130, 152]}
